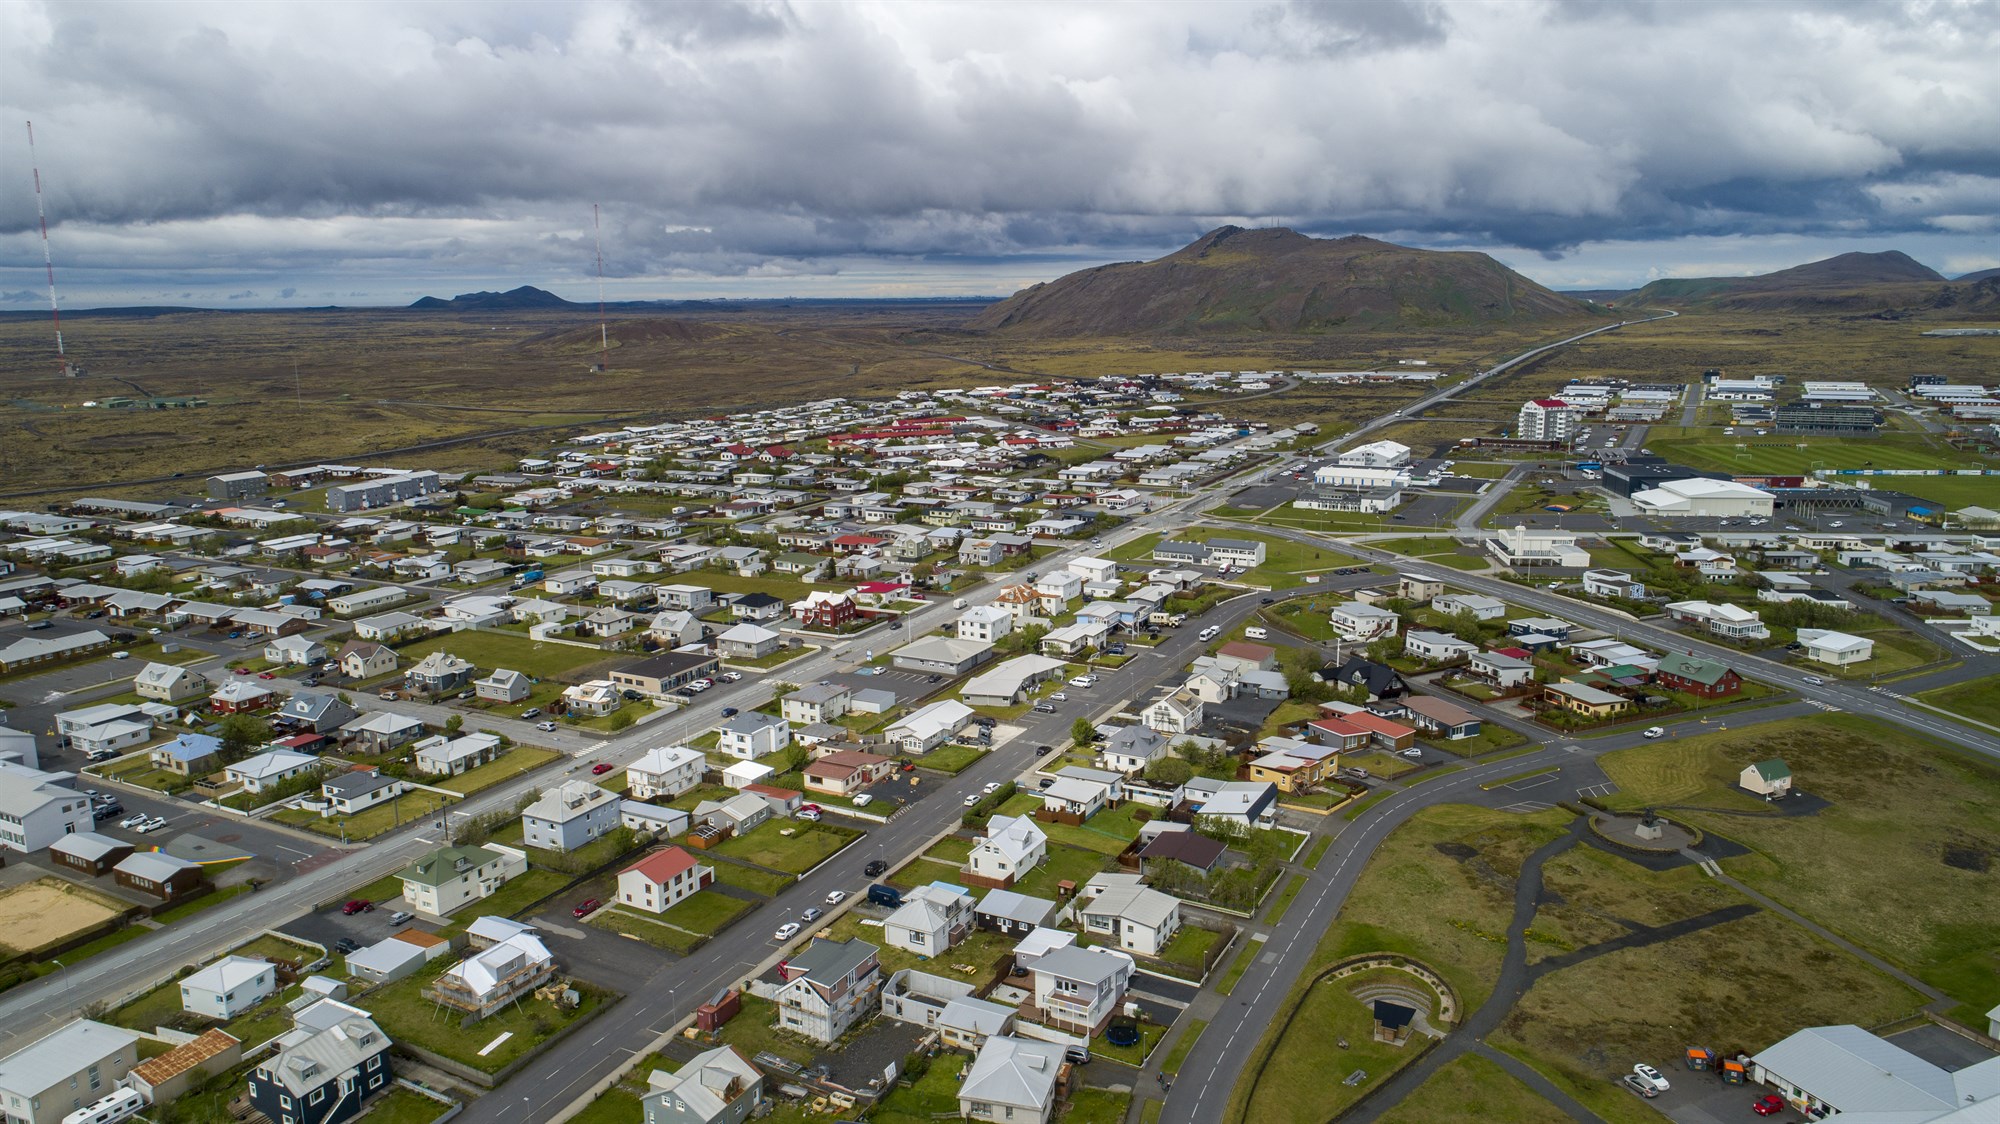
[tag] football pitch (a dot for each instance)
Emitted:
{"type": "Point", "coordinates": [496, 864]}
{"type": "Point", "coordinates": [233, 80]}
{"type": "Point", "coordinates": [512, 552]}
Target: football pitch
{"type": "Point", "coordinates": [1789, 456]}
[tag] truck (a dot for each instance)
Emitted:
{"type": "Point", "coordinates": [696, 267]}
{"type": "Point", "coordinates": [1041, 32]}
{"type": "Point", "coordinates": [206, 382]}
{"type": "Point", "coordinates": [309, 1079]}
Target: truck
{"type": "Point", "coordinates": [883, 894]}
{"type": "Point", "coordinates": [959, 603]}
{"type": "Point", "coordinates": [532, 574]}
{"type": "Point", "coordinates": [1166, 620]}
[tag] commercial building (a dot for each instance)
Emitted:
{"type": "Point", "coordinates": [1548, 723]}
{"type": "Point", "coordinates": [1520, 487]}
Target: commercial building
{"type": "Point", "coordinates": [54, 1076]}
{"type": "Point", "coordinates": [1546, 419]}
{"type": "Point", "coordinates": [1704, 498]}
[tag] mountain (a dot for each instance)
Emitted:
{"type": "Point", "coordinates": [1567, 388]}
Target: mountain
{"type": "Point", "coordinates": [1982, 275]}
{"type": "Point", "coordinates": [1233, 280]}
{"type": "Point", "coordinates": [513, 300]}
{"type": "Point", "coordinates": [1855, 282]}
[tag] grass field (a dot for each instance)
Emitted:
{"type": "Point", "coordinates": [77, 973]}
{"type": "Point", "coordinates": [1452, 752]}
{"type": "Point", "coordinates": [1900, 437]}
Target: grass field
{"type": "Point", "coordinates": [951, 758]}
{"type": "Point", "coordinates": [1470, 1087]}
{"type": "Point", "coordinates": [1918, 818]}
{"type": "Point", "coordinates": [494, 650]}
{"type": "Point", "coordinates": [404, 1106]}
{"type": "Point", "coordinates": [1793, 455]}
{"type": "Point", "coordinates": [1303, 1081]}
{"type": "Point", "coordinates": [402, 1011]}
{"type": "Point", "coordinates": [520, 759]}
{"type": "Point", "coordinates": [370, 823]}
{"type": "Point", "coordinates": [1977, 699]}
{"type": "Point", "coordinates": [807, 846]}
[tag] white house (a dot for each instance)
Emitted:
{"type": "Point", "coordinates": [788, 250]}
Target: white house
{"type": "Point", "coordinates": [1357, 622]}
{"type": "Point", "coordinates": [662, 880]}
{"type": "Point", "coordinates": [1013, 846]}
{"type": "Point", "coordinates": [931, 919]}
{"type": "Point", "coordinates": [664, 772]}
{"type": "Point", "coordinates": [986, 623]}
{"type": "Point", "coordinates": [1079, 989]}
{"type": "Point", "coordinates": [1013, 1080]}
{"type": "Point", "coordinates": [1436, 647]}
{"type": "Point", "coordinates": [1837, 649]}
{"type": "Point", "coordinates": [228, 987]}
{"type": "Point", "coordinates": [1178, 713]}
{"type": "Point", "coordinates": [1479, 605]}
{"type": "Point", "coordinates": [752, 734]}
{"type": "Point", "coordinates": [932, 726]}
{"type": "Point", "coordinates": [570, 816]}
{"type": "Point", "coordinates": [270, 768]}
{"type": "Point", "coordinates": [1117, 909]}
{"type": "Point", "coordinates": [1728, 621]}
{"type": "Point", "coordinates": [439, 755]}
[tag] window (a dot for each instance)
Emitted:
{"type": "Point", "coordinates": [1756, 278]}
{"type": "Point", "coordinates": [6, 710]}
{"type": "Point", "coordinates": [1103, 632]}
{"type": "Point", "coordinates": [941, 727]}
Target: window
{"type": "Point", "coordinates": [316, 1096]}
{"type": "Point", "coordinates": [284, 1101]}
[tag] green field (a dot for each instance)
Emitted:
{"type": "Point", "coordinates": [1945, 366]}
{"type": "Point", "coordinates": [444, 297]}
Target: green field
{"type": "Point", "coordinates": [490, 651]}
{"type": "Point", "coordinates": [402, 1011]}
{"type": "Point", "coordinates": [507, 766]}
{"type": "Point", "coordinates": [1785, 456]}
{"type": "Point", "coordinates": [1977, 699]}
{"type": "Point", "coordinates": [1470, 1087]}
{"type": "Point", "coordinates": [807, 846]}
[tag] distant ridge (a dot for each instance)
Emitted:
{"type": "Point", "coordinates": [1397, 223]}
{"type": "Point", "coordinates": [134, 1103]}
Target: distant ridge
{"type": "Point", "coordinates": [1889, 281]}
{"type": "Point", "coordinates": [1233, 280]}
{"type": "Point", "coordinates": [1982, 275]}
{"type": "Point", "coordinates": [513, 300]}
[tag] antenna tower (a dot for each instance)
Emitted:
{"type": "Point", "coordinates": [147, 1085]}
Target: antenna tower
{"type": "Point", "coordinates": [603, 328]}
{"type": "Point", "coordinates": [48, 262]}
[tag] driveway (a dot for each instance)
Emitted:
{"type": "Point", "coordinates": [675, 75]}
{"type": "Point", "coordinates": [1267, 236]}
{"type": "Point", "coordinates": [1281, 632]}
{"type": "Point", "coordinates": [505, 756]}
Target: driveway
{"type": "Point", "coordinates": [1703, 1098]}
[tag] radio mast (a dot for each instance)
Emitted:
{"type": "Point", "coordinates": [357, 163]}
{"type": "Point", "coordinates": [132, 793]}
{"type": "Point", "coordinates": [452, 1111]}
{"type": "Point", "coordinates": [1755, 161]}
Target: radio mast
{"type": "Point", "coordinates": [48, 261]}
{"type": "Point", "coordinates": [603, 327]}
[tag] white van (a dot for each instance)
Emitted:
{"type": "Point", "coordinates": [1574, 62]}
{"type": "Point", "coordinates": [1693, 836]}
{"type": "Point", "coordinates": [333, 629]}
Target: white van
{"type": "Point", "coordinates": [958, 604]}
{"type": "Point", "coordinates": [1254, 633]}
{"type": "Point", "coordinates": [1210, 633]}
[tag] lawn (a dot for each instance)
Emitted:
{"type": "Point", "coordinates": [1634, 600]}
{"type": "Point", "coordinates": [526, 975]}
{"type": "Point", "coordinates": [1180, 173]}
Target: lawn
{"type": "Point", "coordinates": [1246, 954]}
{"type": "Point", "coordinates": [404, 1106]}
{"type": "Point", "coordinates": [952, 759]}
{"type": "Point", "coordinates": [1189, 949]}
{"type": "Point", "coordinates": [752, 1030]}
{"type": "Point", "coordinates": [808, 845]}
{"type": "Point", "coordinates": [705, 912]}
{"type": "Point", "coordinates": [1304, 1081]}
{"type": "Point", "coordinates": [511, 899]}
{"type": "Point", "coordinates": [933, 1095]}
{"type": "Point", "coordinates": [367, 825]}
{"type": "Point", "coordinates": [1108, 832]}
{"type": "Point", "coordinates": [1184, 1046]}
{"type": "Point", "coordinates": [513, 763]}
{"type": "Point", "coordinates": [642, 927]}
{"type": "Point", "coordinates": [763, 882]}
{"type": "Point", "coordinates": [1318, 848]}
{"type": "Point", "coordinates": [494, 650]}
{"type": "Point", "coordinates": [1491, 737]}
{"type": "Point", "coordinates": [1470, 1087]}
{"type": "Point", "coordinates": [1097, 1106]}
{"type": "Point", "coordinates": [1134, 1055]}
{"type": "Point", "coordinates": [613, 1106]}
{"type": "Point", "coordinates": [775, 659]}
{"type": "Point", "coordinates": [162, 1007]}
{"type": "Point", "coordinates": [1908, 812]}
{"type": "Point", "coordinates": [402, 1011]}
{"type": "Point", "coordinates": [1065, 864]}
{"type": "Point", "coordinates": [1977, 699]}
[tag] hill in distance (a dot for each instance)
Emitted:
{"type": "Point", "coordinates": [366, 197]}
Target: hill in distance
{"type": "Point", "coordinates": [1890, 282]}
{"type": "Point", "coordinates": [525, 298]}
{"type": "Point", "coordinates": [1272, 280]}
{"type": "Point", "coordinates": [1982, 275]}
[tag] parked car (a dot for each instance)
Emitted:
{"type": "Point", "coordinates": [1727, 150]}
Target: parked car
{"type": "Point", "coordinates": [1650, 1076]}
{"type": "Point", "coordinates": [402, 917]}
{"type": "Point", "coordinates": [265, 675]}
{"type": "Point", "coordinates": [809, 806]}
{"type": "Point", "coordinates": [874, 868]}
{"type": "Point", "coordinates": [546, 727]}
{"type": "Point", "coordinates": [1045, 708]}
{"type": "Point", "coordinates": [358, 905]}
{"type": "Point", "coordinates": [808, 815]}
{"type": "Point", "coordinates": [585, 908]}
{"type": "Point", "coordinates": [130, 822]}
{"type": "Point", "coordinates": [836, 897]}
{"type": "Point", "coordinates": [1637, 1085]}
{"type": "Point", "coordinates": [1656, 732]}
{"type": "Point", "coordinates": [991, 787]}
{"type": "Point", "coordinates": [1045, 782]}
{"type": "Point", "coordinates": [971, 798]}
{"type": "Point", "coordinates": [532, 712]}
{"type": "Point", "coordinates": [1770, 1104]}
{"type": "Point", "coordinates": [786, 931]}
{"type": "Point", "coordinates": [601, 768]}
{"type": "Point", "coordinates": [863, 800]}
{"type": "Point", "coordinates": [346, 945]}
{"type": "Point", "coordinates": [1059, 696]}
{"type": "Point", "coordinates": [106, 811]}
{"type": "Point", "coordinates": [121, 655]}
{"type": "Point", "coordinates": [811, 915]}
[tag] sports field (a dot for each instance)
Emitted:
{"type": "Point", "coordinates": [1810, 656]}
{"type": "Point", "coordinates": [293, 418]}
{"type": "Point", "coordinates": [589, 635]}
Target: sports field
{"type": "Point", "coordinates": [46, 911]}
{"type": "Point", "coordinates": [1787, 456]}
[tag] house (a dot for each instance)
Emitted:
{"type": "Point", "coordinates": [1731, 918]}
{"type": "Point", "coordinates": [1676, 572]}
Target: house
{"type": "Point", "coordinates": [1518, 547]}
{"type": "Point", "coordinates": [1439, 716]}
{"type": "Point", "coordinates": [1244, 554]}
{"type": "Point", "coordinates": [929, 727]}
{"type": "Point", "coordinates": [390, 627]}
{"type": "Point", "coordinates": [848, 771]}
{"type": "Point", "coordinates": [1131, 749]}
{"type": "Point", "coordinates": [1695, 675]}
{"type": "Point", "coordinates": [168, 683]}
{"type": "Point", "coordinates": [824, 610]}
{"type": "Point", "coordinates": [1012, 914]}
{"type": "Point", "coordinates": [440, 673]}
{"type": "Point", "coordinates": [228, 987]}
{"type": "Point", "coordinates": [493, 977]}
{"type": "Point", "coordinates": [1835, 1071]}
{"type": "Point", "coordinates": [943, 655]}
{"type": "Point", "coordinates": [593, 699]}
{"type": "Point", "coordinates": [827, 988]}
{"type": "Point", "coordinates": [747, 642]}
{"type": "Point", "coordinates": [88, 852]}
{"type": "Point", "coordinates": [931, 919]}
{"type": "Point", "coordinates": [1178, 713]}
{"type": "Point", "coordinates": [1481, 607]}
{"type": "Point", "coordinates": [1297, 766]}
{"type": "Point", "coordinates": [188, 755]}
{"type": "Point", "coordinates": [165, 1078]}
{"type": "Point", "coordinates": [294, 651]}
{"type": "Point", "coordinates": [1006, 683]}
{"type": "Point", "coordinates": [503, 686]}
{"type": "Point", "coordinates": [752, 734]}
{"type": "Point", "coordinates": [676, 628]}
{"type": "Point", "coordinates": [1013, 846]}
{"type": "Point", "coordinates": [1358, 623]}
{"type": "Point", "coordinates": [656, 820]}
{"type": "Point", "coordinates": [56, 1075]}
{"type": "Point", "coordinates": [38, 808]}
{"type": "Point", "coordinates": [1613, 583]}
{"type": "Point", "coordinates": [819, 702]}
{"type": "Point", "coordinates": [984, 623]}
{"type": "Point", "coordinates": [757, 607]}
{"type": "Point", "coordinates": [325, 1076]}
{"type": "Point", "coordinates": [664, 772]}
{"type": "Point", "coordinates": [1770, 779]}
{"type": "Point", "coordinates": [314, 712]}
{"type": "Point", "coordinates": [1379, 680]}
{"type": "Point", "coordinates": [718, 1086]}
{"type": "Point", "coordinates": [662, 880]}
{"type": "Point", "coordinates": [1836, 649]}
{"type": "Point", "coordinates": [1189, 848]}
{"type": "Point", "coordinates": [1501, 669]}
{"type": "Point", "coordinates": [240, 696]}
{"type": "Point", "coordinates": [1238, 804]}
{"type": "Point", "coordinates": [570, 816]}
{"type": "Point", "coordinates": [1436, 647]}
{"type": "Point", "coordinates": [1072, 800]}
{"type": "Point", "coordinates": [661, 675]}
{"type": "Point", "coordinates": [1730, 622]}
{"type": "Point", "coordinates": [1079, 989]}
{"type": "Point", "coordinates": [742, 812]}
{"type": "Point", "coordinates": [359, 790]}
{"type": "Point", "coordinates": [270, 769]}
{"type": "Point", "coordinates": [1588, 701]}
{"type": "Point", "coordinates": [1116, 909]}
{"type": "Point", "coordinates": [159, 875]}
{"type": "Point", "coordinates": [1012, 1079]}
{"type": "Point", "coordinates": [360, 659]}
{"type": "Point", "coordinates": [451, 878]}
{"type": "Point", "coordinates": [382, 731]}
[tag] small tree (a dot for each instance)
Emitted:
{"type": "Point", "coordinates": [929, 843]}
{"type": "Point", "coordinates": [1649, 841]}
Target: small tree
{"type": "Point", "coordinates": [1169, 772]}
{"type": "Point", "coordinates": [1083, 731]}
{"type": "Point", "coordinates": [242, 733]}
{"type": "Point", "coordinates": [454, 724]}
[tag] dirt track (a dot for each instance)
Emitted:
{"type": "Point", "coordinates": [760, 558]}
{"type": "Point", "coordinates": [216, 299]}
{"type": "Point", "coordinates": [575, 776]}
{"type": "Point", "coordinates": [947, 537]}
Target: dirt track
{"type": "Point", "coordinates": [42, 913]}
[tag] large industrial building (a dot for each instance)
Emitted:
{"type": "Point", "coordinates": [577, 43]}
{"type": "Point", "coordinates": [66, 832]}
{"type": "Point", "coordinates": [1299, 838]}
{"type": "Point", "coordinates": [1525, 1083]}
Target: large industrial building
{"type": "Point", "coordinates": [1704, 497]}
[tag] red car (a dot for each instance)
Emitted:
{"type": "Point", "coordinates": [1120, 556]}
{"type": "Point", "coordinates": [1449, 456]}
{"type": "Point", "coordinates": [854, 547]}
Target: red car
{"type": "Point", "coordinates": [1770, 1104]}
{"type": "Point", "coordinates": [810, 807]}
{"type": "Point", "coordinates": [358, 905]}
{"type": "Point", "coordinates": [265, 675]}
{"type": "Point", "coordinates": [242, 671]}
{"type": "Point", "coordinates": [601, 768]}
{"type": "Point", "coordinates": [586, 909]}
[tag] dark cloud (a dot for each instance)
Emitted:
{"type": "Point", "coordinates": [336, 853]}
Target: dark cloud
{"type": "Point", "coordinates": [374, 150]}
{"type": "Point", "coordinates": [21, 296]}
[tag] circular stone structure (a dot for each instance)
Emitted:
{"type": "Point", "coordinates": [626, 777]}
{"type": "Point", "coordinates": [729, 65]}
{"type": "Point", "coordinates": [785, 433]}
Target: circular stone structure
{"type": "Point", "coordinates": [1644, 831]}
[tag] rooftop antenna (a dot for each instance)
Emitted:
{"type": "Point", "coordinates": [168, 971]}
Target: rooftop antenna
{"type": "Point", "coordinates": [603, 328]}
{"type": "Point", "coordinates": [48, 262]}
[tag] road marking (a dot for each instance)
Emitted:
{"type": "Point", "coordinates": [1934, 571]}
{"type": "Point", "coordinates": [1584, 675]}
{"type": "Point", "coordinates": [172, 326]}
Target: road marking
{"type": "Point", "coordinates": [1527, 807]}
{"type": "Point", "coordinates": [1605, 789]}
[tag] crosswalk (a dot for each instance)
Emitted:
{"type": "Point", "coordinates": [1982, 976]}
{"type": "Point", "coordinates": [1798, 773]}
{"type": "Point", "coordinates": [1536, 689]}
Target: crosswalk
{"type": "Point", "coordinates": [1880, 690]}
{"type": "Point", "coordinates": [1822, 705]}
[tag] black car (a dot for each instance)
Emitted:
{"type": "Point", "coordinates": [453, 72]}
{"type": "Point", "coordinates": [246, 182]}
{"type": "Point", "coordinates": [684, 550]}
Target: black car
{"type": "Point", "coordinates": [875, 868]}
{"type": "Point", "coordinates": [346, 945]}
{"type": "Point", "coordinates": [107, 811]}
{"type": "Point", "coordinates": [1268, 601]}
{"type": "Point", "coordinates": [1044, 750]}
{"type": "Point", "coordinates": [729, 712]}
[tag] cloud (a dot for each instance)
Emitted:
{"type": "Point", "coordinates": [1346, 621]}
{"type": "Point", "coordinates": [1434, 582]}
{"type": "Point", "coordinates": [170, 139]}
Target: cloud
{"type": "Point", "coordinates": [385, 149]}
{"type": "Point", "coordinates": [21, 296]}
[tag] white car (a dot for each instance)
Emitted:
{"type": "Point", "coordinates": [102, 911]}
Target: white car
{"type": "Point", "coordinates": [1655, 732]}
{"type": "Point", "coordinates": [1650, 1076]}
{"type": "Point", "coordinates": [546, 727]}
{"type": "Point", "coordinates": [1084, 681]}
{"type": "Point", "coordinates": [1413, 751]}
{"type": "Point", "coordinates": [786, 931]}
{"type": "Point", "coordinates": [836, 897]}
{"type": "Point", "coordinates": [808, 815]}
{"type": "Point", "coordinates": [991, 787]}
{"type": "Point", "coordinates": [1815, 681]}
{"type": "Point", "coordinates": [1059, 696]}
{"type": "Point", "coordinates": [121, 655]}
{"type": "Point", "coordinates": [131, 822]}
{"type": "Point", "coordinates": [971, 798]}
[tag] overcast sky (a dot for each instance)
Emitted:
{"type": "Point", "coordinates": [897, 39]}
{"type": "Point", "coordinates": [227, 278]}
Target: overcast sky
{"type": "Point", "coordinates": [247, 154]}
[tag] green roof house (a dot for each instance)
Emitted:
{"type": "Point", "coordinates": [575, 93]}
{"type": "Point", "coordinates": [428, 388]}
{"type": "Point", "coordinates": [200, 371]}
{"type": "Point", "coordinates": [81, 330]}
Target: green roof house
{"type": "Point", "coordinates": [1771, 779]}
